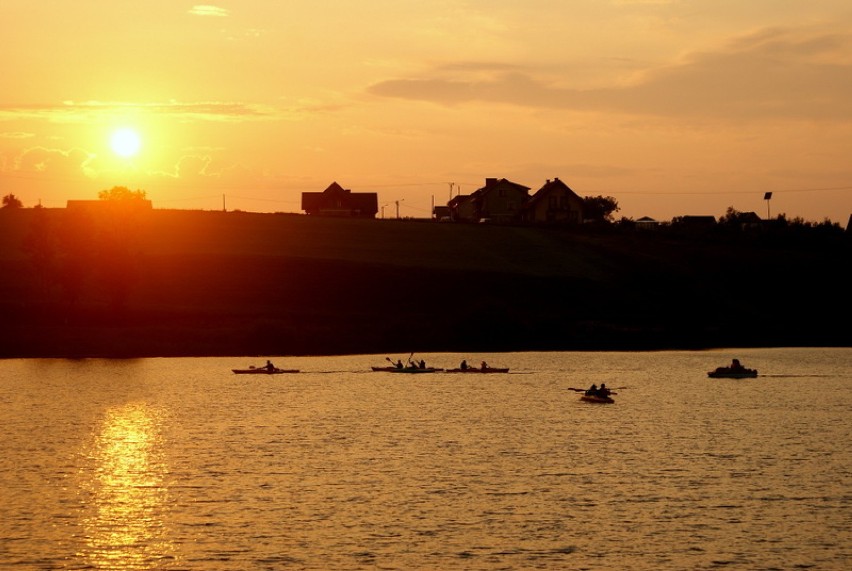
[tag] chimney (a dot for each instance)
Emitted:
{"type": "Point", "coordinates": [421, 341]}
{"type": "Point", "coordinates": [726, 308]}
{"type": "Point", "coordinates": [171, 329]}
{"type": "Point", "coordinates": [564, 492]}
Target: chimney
{"type": "Point", "coordinates": [489, 182]}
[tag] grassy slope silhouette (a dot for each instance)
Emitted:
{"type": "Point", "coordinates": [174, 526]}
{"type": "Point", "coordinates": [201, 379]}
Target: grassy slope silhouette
{"type": "Point", "coordinates": [212, 283]}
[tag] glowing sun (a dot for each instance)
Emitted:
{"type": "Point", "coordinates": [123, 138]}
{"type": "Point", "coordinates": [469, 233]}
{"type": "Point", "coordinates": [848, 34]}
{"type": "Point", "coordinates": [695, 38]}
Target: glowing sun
{"type": "Point", "coordinates": [125, 142]}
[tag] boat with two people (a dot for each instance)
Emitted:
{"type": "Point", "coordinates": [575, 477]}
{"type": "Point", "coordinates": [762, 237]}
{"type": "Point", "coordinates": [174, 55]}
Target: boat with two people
{"type": "Point", "coordinates": [267, 369]}
{"type": "Point", "coordinates": [596, 394]}
{"type": "Point", "coordinates": [483, 368]}
{"type": "Point", "coordinates": [733, 371]}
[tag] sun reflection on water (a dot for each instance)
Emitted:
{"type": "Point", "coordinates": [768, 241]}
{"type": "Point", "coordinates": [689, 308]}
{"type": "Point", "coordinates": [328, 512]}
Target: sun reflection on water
{"type": "Point", "coordinates": [125, 527]}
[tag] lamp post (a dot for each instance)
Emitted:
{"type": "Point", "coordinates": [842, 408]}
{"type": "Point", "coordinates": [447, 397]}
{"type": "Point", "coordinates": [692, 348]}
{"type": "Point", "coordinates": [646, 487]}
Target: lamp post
{"type": "Point", "coordinates": [767, 196]}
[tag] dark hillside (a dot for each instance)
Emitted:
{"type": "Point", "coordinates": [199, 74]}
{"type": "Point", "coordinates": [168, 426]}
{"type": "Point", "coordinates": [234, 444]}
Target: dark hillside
{"type": "Point", "coordinates": [213, 283]}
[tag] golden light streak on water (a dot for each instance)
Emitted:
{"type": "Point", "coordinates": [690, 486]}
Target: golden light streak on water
{"type": "Point", "coordinates": [126, 529]}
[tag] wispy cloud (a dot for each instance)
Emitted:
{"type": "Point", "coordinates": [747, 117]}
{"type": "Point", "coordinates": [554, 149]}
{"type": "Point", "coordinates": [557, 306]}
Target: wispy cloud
{"type": "Point", "coordinates": [17, 135]}
{"type": "Point", "coordinates": [208, 10]}
{"type": "Point", "coordinates": [777, 73]}
{"type": "Point", "coordinates": [88, 111]}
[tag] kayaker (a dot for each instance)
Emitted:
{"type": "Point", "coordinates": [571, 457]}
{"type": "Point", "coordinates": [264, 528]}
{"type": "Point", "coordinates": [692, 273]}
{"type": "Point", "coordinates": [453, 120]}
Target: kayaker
{"type": "Point", "coordinates": [422, 364]}
{"type": "Point", "coordinates": [735, 365]}
{"type": "Point", "coordinates": [603, 391]}
{"type": "Point", "coordinates": [463, 365]}
{"type": "Point", "coordinates": [399, 364]}
{"type": "Point", "coordinates": [269, 365]}
{"type": "Point", "coordinates": [593, 391]}
{"type": "Point", "coordinates": [484, 365]}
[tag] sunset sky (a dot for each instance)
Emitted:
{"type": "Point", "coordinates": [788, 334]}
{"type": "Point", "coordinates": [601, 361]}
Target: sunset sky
{"type": "Point", "coordinates": [672, 107]}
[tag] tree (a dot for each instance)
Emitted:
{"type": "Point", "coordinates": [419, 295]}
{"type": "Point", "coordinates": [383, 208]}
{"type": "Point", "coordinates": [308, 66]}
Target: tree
{"type": "Point", "coordinates": [121, 193]}
{"type": "Point", "coordinates": [12, 201]}
{"type": "Point", "coordinates": [599, 208]}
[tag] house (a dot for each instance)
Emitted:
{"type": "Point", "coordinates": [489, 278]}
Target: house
{"type": "Point", "coordinates": [337, 201]}
{"type": "Point", "coordinates": [646, 223]}
{"type": "Point", "coordinates": [462, 208]}
{"type": "Point", "coordinates": [500, 200]}
{"type": "Point", "coordinates": [554, 202]}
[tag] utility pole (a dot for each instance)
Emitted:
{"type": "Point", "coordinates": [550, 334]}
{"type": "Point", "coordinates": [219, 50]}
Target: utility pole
{"type": "Point", "coordinates": [767, 197]}
{"type": "Point", "coordinates": [223, 204]}
{"type": "Point", "coordinates": [397, 208]}
{"type": "Point", "coordinates": [452, 184]}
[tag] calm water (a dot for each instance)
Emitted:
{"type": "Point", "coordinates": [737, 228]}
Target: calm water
{"type": "Point", "coordinates": [179, 464]}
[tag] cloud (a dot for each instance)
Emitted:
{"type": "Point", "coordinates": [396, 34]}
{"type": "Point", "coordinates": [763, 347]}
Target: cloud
{"type": "Point", "coordinates": [88, 111]}
{"type": "Point", "coordinates": [56, 163]}
{"type": "Point", "coordinates": [208, 10]}
{"type": "Point", "coordinates": [17, 135]}
{"type": "Point", "coordinates": [777, 73]}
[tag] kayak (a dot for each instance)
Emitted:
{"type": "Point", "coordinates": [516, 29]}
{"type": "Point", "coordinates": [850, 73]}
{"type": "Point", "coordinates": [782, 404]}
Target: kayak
{"type": "Point", "coordinates": [416, 370]}
{"type": "Point", "coordinates": [263, 371]}
{"type": "Point", "coordinates": [407, 369]}
{"type": "Point", "coordinates": [597, 399]}
{"type": "Point", "coordinates": [478, 370]}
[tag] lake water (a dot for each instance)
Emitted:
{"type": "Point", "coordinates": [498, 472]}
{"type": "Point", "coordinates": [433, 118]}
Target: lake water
{"type": "Point", "coordinates": [179, 464]}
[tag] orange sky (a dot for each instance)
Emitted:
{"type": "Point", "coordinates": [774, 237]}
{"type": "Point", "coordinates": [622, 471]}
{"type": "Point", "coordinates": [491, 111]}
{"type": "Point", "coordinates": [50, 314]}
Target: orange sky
{"type": "Point", "coordinates": [671, 106]}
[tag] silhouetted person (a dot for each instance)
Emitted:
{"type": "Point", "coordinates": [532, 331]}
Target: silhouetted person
{"type": "Point", "coordinates": [399, 364]}
{"type": "Point", "coordinates": [603, 391]}
{"type": "Point", "coordinates": [422, 364]}
{"type": "Point", "coordinates": [484, 365]}
{"type": "Point", "coordinates": [735, 365]}
{"type": "Point", "coordinates": [463, 365]}
{"type": "Point", "coordinates": [593, 390]}
{"type": "Point", "coordinates": [269, 365]}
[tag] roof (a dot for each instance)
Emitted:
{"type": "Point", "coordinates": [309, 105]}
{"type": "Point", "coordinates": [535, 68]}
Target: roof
{"type": "Point", "coordinates": [492, 184]}
{"type": "Point", "coordinates": [552, 186]}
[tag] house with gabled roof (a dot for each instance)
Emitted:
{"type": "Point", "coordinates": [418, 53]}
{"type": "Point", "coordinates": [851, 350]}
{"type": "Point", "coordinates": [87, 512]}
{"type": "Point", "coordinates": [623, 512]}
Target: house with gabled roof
{"type": "Point", "coordinates": [554, 202]}
{"type": "Point", "coordinates": [500, 200]}
{"type": "Point", "coordinates": [337, 201]}
{"type": "Point", "coordinates": [461, 208]}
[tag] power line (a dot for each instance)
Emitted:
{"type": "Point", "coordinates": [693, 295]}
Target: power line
{"type": "Point", "coordinates": [718, 192]}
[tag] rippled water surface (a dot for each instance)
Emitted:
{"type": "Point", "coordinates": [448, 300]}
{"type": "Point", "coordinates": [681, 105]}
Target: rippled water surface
{"type": "Point", "coordinates": [179, 464]}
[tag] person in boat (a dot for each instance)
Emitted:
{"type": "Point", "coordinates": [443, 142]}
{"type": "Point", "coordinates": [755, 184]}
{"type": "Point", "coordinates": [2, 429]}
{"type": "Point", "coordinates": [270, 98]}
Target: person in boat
{"type": "Point", "coordinates": [269, 365]}
{"type": "Point", "coordinates": [422, 364]}
{"type": "Point", "coordinates": [593, 391]}
{"type": "Point", "coordinates": [483, 366]}
{"type": "Point", "coordinates": [463, 365]}
{"type": "Point", "coordinates": [736, 366]}
{"type": "Point", "coordinates": [603, 391]}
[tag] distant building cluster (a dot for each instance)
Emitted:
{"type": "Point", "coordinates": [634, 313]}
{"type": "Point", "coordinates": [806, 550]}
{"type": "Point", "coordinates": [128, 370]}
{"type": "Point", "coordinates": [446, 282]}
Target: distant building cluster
{"type": "Point", "coordinates": [500, 200]}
